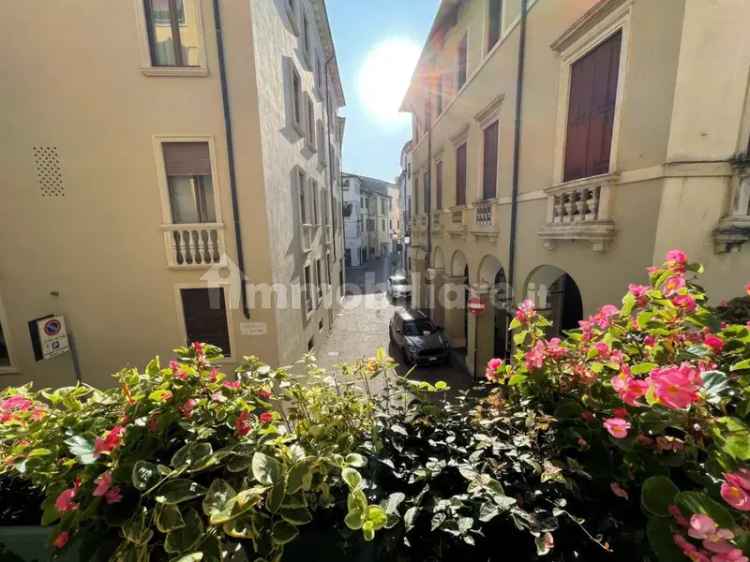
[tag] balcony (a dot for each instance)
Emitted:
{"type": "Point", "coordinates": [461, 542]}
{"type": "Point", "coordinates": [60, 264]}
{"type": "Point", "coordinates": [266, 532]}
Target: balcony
{"type": "Point", "coordinates": [458, 222]}
{"type": "Point", "coordinates": [194, 246]}
{"type": "Point", "coordinates": [734, 229]}
{"type": "Point", "coordinates": [308, 236]}
{"type": "Point", "coordinates": [328, 234]}
{"type": "Point", "coordinates": [436, 221]}
{"type": "Point", "coordinates": [485, 222]}
{"type": "Point", "coordinates": [580, 210]}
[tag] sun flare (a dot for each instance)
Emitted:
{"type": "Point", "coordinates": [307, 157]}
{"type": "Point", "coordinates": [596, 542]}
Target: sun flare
{"type": "Point", "coordinates": [384, 78]}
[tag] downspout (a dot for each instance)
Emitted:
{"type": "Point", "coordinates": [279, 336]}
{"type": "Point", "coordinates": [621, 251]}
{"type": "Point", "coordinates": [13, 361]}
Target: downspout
{"type": "Point", "coordinates": [230, 159]}
{"type": "Point", "coordinates": [516, 153]}
{"type": "Point", "coordinates": [328, 156]}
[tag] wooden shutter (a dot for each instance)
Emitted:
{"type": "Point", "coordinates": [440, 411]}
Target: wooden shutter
{"type": "Point", "coordinates": [206, 317]}
{"type": "Point", "coordinates": [439, 185]}
{"type": "Point", "coordinates": [461, 80]}
{"type": "Point", "coordinates": [187, 159]}
{"type": "Point", "coordinates": [461, 175]}
{"type": "Point", "coordinates": [416, 194]}
{"type": "Point", "coordinates": [495, 27]}
{"type": "Point", "coordinates": [489, 185]}
{"type": "Point", "coordinates": [591, 111]}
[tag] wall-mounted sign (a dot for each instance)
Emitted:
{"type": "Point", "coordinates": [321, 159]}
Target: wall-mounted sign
{"type": "Point", "coordinates": [253, 328]}
{"type": "Point", "coordinates": [476, 306]}
{"type": "Point", "coordinates": [49, 338]}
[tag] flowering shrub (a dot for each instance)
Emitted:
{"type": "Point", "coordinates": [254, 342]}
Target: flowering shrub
{"type": "Point", "coordinates": [651, 397]}
{"type": "Point", "coordinates": [179, 462]}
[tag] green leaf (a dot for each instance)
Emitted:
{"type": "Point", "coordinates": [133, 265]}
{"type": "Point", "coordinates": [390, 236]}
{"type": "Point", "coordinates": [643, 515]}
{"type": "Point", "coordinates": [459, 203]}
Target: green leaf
{"type": "Point", "coordinates": [216, 504]}
{"type": "Point", "coordinates": [240, 527]}
{"type": "Point", "coordinates": [715, 384]}
{"type": "Point", "coordinates": [192, 455]}
{"type": "Point", "coordinates": [40, 452]}
{"type": "Point", "coordinates": [179, 490]}
{"type": "Point", "coordinates": [145, 475]}
{"type": "Point", "coordinates": [657, 494]}
{"type": "Point", "coordinates": [517, 379]}
{"type": "Point", "coordinates": [643, 368]}
{"type": "Point", "coordinates": [296, 516]}
{"type": "Point", "coordinates": [266, 470]}
{"type": "Point", "coordinates": [659, 533]}
{"type": "Point", "coordinates": [568, 409]}
{"type": "Point", "coordinates": [238, 463]}
{"type": "Point", "coordinates": [733, 437]}
{"type": "Point", "coordinates": [296, 476]}
{"type": "Point", "coordinates": [161, 395]}
{"type": "Point", "coordinates": [276, 496]}
{"type": "Point", "coordinates": [698, 502]}
{"type": "Point", "coordinates": [82, 449]}
{"type": "Point", "coordinates": [628, 302]}
{"type": "Point", "coordinates": [488, 511]}
{"type": "Point", "coordinates": [283, 532]}
{"type": "Point", "coordinates": [354, 519]}
{"type": "Point", "coordinates": [352, 478]}
{"type": "Point", "coordinates": [356, 460]}
{"type": "Point", "coordinates": [168, 518]}
{"type": "Point", "coordinates": [394, 500]}
{"type": "Point", "coordinates": [192, 557]}
{"type": "Point", "coordinates": [741, 366]}
{"type": "Point", "coordinates": [186, 537]}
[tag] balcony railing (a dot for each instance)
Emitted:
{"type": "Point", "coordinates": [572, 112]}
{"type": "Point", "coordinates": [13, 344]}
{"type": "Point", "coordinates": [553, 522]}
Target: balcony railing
{"type": "Point", "coordinates": [308, 236]}
{"type": "Point", "coordinates": [733, 229]}
{"type": "Point", "coordinates": [328, 233]}
{"type": "Point", "coordinates": [483, 213]}
{"type": "Point", "coordinates": [194, 245]}
{"type": "Point", "coordinates": [580, 210]}
{"type": "Point", "coordinates": [436, 220]}
{"type": "Point", "coordinates": [458, 224]}
{"type": "Point", "coordinates": [485, 221]}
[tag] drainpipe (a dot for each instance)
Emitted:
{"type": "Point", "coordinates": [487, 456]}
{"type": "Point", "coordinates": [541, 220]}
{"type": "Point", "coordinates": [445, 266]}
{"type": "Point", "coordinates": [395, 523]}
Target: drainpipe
{"type": "Point", "coordinates": [516, 152]}
{"type": "Point", "coordinates": [428, 189]}
{"type": "Point", "coordinates": [328, 156]}
{"type": "Point", "coordinates": [230, 158]}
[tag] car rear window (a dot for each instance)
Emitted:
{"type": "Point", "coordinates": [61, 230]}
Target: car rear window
{"type": "Point", "coordinates": [418, 328]}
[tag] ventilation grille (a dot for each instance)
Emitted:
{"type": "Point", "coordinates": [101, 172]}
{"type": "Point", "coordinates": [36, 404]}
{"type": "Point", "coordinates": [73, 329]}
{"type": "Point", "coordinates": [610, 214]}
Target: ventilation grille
{"type": "Point", "coordinates": [49, 171]}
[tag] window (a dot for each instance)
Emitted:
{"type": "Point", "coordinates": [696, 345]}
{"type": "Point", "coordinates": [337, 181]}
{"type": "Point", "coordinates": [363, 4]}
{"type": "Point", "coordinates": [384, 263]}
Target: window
{"type": "Point", "coordinates": [591, 111]}
{"type": "Point", "coordinates": [296, 98]}
{"type": "Point", "coordinates": [439, 95]}
{"type": "Point", "coordinates": [205, 314]}
{"type": "Point", "coordinates": [314, 192]}
{"type": "Point", "coordinates": [461, 70]}
{"type": "Point", "coordinates": [5, 362]}
{"type": "Point", "coordinates": [328, 269]}
{"type": "Point", "coordinates": [308, 293]}
{"type": "Point", "coordinates": [382, 224]}
{"type": "Point", "coordinates": [489, 176]}
{"type": "Point", "coordinates": [191, 193]}
{"type": "Point", "coordinates": [319, 279]}
{"type": "Point", "coordinates": [461, 175]}
{"type": "Point", "coordinates": [311, 344]}
{"type": "Point", "coordinates": [426, 187]}
{"type": "Point", "coordinates": [310, 130]}
{"type": "Point", "coordinates": [318, 74]}
{"type": "Point", "coordinates": [416, 194]}
{"type": "Point", "coordinates": [173, 32]}
{"type": "Point", "coordinates": [321, 144]}
{"type": "Point", "coordinates": [439, 185]}
{"type": "Point", "coordinates": [495, 23]}
{"type": "Point", "coordinates": [302, 202]}
{"type": "Point", "coordinates": [306, 36]}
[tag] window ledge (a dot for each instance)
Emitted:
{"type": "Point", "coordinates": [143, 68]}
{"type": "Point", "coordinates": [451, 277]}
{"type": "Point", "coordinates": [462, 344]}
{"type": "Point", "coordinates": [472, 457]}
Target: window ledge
{"type": "Point", "coordinates": [10, 371]}
{"type": "Point", "coordinates": [597, 233]}
{"type": "Point", "coordinates": [731, 233]}
{"type": "Point", "coordinates": [175, 71]}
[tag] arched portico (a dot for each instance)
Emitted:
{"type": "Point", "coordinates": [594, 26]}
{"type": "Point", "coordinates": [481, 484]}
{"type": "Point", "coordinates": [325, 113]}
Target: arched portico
{"type": "Point", "coordinates": [437, 286]}
{"type": "Point", "coordinates": [491, 325]}
{"type": "Point", "coordinates": [453, 299]}
{"type": "Point", "coordinates": [555, 295]}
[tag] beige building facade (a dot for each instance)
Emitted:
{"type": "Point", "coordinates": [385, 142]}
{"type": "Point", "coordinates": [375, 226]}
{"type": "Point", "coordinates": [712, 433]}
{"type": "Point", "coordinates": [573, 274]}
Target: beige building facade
{"type": "Point", "coordinates": [152, 165]}
{"type": "Point", "coordinates": [561, 146]}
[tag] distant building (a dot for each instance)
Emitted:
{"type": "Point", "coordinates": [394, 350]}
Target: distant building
{"type": "Point", "coordinates": [367, 218]}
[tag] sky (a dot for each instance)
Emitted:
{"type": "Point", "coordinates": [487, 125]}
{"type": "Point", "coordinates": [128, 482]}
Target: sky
{"type": "Point", "coordinates": [377, 45]}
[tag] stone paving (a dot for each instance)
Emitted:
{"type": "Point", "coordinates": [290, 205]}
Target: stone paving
{"type": "Point", "coordinates": [361, 327]}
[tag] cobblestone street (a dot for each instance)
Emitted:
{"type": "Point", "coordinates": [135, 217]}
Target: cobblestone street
{"type": "Point", "coordinates": [361, 327]}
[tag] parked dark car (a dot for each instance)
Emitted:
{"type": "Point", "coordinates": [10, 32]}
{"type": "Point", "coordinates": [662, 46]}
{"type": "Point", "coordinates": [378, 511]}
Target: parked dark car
{"type": "Point", "coordinates": [398, 287]}
{"type": "Point", "coordinates": [418, 339]}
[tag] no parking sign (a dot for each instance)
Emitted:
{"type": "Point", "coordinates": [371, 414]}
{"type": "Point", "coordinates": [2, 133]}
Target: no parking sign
{"type": "Point", "coordinates": [49, 337]}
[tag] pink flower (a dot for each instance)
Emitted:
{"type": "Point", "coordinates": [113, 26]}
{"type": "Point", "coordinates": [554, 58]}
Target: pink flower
{"type": "Point", "coordinates": [15, 403]}
{"type": "Point", "coordinates": [525, 311]}
{"type": "Point", "coordinates": [747, 289]}
{"type": "Point", "coordinates": [113, 495]}
{"type": "Point", "coordinates": [714, 342]}
{"type": "Point", "coordinates": [734, 494]}
{"type": "Point", "coordinates": [213, 375]}
{"type": "Point", "coordinates": [733, 555]}
{"type": "Point", "coordinates": [649, 341]}
{"type": "Point", "coordinates": [187, 408]}
{"type": "Point", "coordinates": [673, 285]}
{"type": "Point", "coordinates": [685, 302]}
{"type": "Point", "coordinates": [619, 491]}
{"type": "Point", "coordinates": [232, 385]}
{"type": "Point", "coordinates": [242, 424]}
{"type": "Point", "coordinates": [110, 442]}
{"type": "Point", "coordinates": [690, 550]}
{"type": "Point", "coordinates": [620, 413]}
{"type": "Point", "coordinates": [266, 418]}
{"type": "Point", "coordinates": [676, 260]}
{"type": "Point", "coordinates": [617, 427]}
{"type": "Point", "coordinates": [604, 316]}
{"type": "Point", "coordinates": [602, 350]}
{"type": "Point", "coordinates": [555, 350]}
{"type": "Point", "coordinates": [640, 292]}
{"type": "Point", "coordinates": [587, 329]}
{"type": "Point", "coordinates": [61, 539]}
{"type": "Point", "coordinates": [629, 389]}
{"type": "Point", "coordinates": [64, 501]}
{"type": "Point", "coordinates": [678, 516]}
{"type": "Point", "coordinates": [266, 394]}
{"type": "Point", "coordinates": [742, 477]}
{"type": "Point", "coordinates": [676, 387]}
{"type": "Point", "coordinates": [198, 348]}
{"type": "Point", "coordinates": [218, 397]}
{"type": "Point", "coordinates": [535, 357]}
{"type": "Point", "coordinates": [103, 484]}
{"type": "Point", "coordinates": [174, 365]}
{"type": "Point", "coordinates": [714, 539]}
{"type": "Point", "coordinates": [490, 373]}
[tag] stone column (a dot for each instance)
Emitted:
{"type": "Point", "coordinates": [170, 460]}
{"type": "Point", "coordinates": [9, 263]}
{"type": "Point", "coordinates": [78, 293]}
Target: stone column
{"type": "Point", "coordinates": [438, 309]}
{"type": "Point", "coordinates": [453, 309]}
{"type": "Point", "coordinates": [481, 333]}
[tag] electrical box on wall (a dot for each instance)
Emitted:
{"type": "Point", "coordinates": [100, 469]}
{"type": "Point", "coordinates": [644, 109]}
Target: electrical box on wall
{"type": "Point", "coordinates": [49, 337]}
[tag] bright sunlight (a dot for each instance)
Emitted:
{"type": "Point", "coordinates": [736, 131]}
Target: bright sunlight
{"type": "Point", "coordinates": [385, 76]}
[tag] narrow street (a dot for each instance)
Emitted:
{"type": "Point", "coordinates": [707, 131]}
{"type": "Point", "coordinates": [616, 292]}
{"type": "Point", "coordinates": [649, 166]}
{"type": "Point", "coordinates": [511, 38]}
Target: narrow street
{"type": "Point", "coordinates": [362, 327]}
